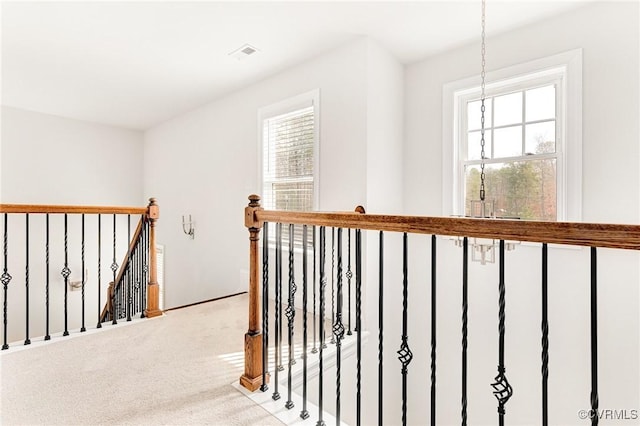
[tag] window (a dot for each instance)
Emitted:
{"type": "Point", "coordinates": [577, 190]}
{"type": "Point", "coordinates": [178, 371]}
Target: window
{"type": "Point", "coordinates": [532, 152]}
{"type": "Point", "coordinates": [289, 154]}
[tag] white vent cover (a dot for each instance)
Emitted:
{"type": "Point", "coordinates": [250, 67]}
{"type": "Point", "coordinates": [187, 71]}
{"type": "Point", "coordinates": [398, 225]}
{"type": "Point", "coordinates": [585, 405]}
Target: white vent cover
{"type": "Point", "coordinates": [243, 52]}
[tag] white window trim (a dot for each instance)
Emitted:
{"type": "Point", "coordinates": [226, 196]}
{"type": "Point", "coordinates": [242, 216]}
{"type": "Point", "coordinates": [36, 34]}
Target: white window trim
{"type": "Point", "coordinates": [569, 161]}
{"type": "Point", "coordinates": [300, 101]}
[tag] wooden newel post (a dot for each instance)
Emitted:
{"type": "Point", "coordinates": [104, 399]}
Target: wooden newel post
{"type": "Point", "coordinates": [153, 289]}
{"type": "Point", "coordinates": [252, 377]}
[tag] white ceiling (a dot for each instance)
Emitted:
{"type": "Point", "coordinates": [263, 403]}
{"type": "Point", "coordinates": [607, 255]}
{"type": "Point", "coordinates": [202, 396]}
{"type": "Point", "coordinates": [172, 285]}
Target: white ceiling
{"type": "Point", "coordinates": [137, 64]}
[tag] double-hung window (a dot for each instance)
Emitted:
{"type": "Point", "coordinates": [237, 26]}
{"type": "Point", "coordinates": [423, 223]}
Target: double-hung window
{"type": "Point", "coordinates": [289, 154]}
{"type": "Point", "coordinates": [531, 150]}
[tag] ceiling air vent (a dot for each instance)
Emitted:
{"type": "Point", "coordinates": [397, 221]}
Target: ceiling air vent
{"type": "Point", "coordinates": [243, 52]}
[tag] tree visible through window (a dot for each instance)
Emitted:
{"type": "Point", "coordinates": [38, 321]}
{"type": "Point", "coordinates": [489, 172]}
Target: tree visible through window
{"type": "Point", "coordinates": [521, 152]}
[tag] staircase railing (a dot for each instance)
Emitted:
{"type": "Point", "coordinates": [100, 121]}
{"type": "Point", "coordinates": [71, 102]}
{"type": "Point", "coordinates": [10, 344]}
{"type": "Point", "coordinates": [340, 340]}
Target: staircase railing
{"type": "Point", "coordinates": [48, 240]}
{"type": "Point", "coordinates": [266, 277]}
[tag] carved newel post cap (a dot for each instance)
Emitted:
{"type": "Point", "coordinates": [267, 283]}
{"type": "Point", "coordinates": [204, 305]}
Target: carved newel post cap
{"type": "Point", "coordinates": [254, 200]}
{"type": "Point", "coordinates": [360, 209]}
{"type": "Point", "coordinates": [152, 202]}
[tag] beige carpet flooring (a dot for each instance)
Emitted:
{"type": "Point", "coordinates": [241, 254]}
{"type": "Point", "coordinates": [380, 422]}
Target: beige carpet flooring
{"type": "Point", "coordinates": [172, 370]}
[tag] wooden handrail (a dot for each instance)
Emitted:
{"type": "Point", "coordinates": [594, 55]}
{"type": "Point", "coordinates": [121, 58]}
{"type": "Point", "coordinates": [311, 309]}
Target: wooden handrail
{"type": "Point", "coordinates": [53, 209]}
{"type": "Point", "coordinates": [571, 233]}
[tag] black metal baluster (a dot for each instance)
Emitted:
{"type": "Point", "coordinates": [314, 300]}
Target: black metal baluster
{"type": "Point", "coordinates": [501, 386]}
{"type": "Point", "coordinates": [358, 326]}
{"type": "Point", "coordinates": [594, 338]}
{"type": "Point", "coordinates": [99, 271]}
{"type": "Point", "coordinates": [145, 265]}
{"type": "Point", "coordinates": [279, 309]}
{"type": "Point", "coordinates": [65, 273]}
{"type": "Point", "coordinates": [545, 338]}
{"type": "Point", "coordinates": [323, 285]}
{"type": "Point", "coordinates": [27, 341]}
{"type": "Point", "coordinates": [304, 414]}
{"type": "Point", "coordinates": [349, 276]}
{"type": "Point", "coordinates": [465, 306]}
{"type": "Point", "coordinates": [314, 349]}
{"type": "Point", "coordinates": [333, 280]}
{"type": "Point", "coordinates": [338, 327]}
{"type": "Point", "coordinates": [82, 328]}
{"type": "Point", "coordinates": [290, 313]}
{"type": "Point", "coordinates": [5, 279]}
{"type": "Point", "coordinates": [277, 314]}
{"type": "Point", "coordinates": [128, 299]}
{"type": "Point", "coordinates": [433, 330]}
{"type": "Point", "coordinates": [114, 269]}
{"type": "Point", "coordinates": [265, 306]}
{"type": "Point", "coordinates": [46, 288]}
{"type": "Point", "coordinates": [380, 325]}
{"type": "Point", "coordinates": [404, 354]}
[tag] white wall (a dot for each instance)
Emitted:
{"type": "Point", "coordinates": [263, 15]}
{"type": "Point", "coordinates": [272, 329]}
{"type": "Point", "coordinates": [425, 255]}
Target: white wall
{"type": "Point", "coordinates": [608, 33]}
{"type": "Point", "coordinates": [54, 160]}
{"type": "Point", "coordinates": [204, 163]}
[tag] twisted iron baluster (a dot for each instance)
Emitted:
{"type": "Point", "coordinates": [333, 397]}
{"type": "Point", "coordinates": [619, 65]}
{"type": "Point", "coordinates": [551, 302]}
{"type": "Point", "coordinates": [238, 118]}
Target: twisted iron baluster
{"type": "Point", "coordinates": [502, 388]}
{"type": "Point", "coordinates": [5, 279]}
{"type": "Point", "coordinates": [349, 276]}
{"type": "Point", "coordinates": [27, 341]}
{"type": "Point", "coordinates": [290, 313]}
{"type": "Point", "coordinates": [265, 307]}
{"type": "Point", "coordinates": [99, 271]}
{"type": "Point", "coordinates": [323, 285]}
{"type": "Point", "coordinates": [465, 305]}
{"type": "Point", "coordinates": [545, 337]}
{"type": "Point", "coordinates": [46, 288]}
{"type": "Point", "coordinates": [404, 354]}
{"type": "Point", "coordinates": [145, 265]}
{"type": "Point", "coordinates": [433, 330]}
{"type": "Point", "coordinates": [278, 287]}
{"type": "Point", "coordinates": [114, 269]}
{"type": "Point", "coordinates": [358, 326]}
{"type": "Point", "coordinates": [333, 281]}
{"type": "Point", "coordinates": [380, 326]}
{"type": "Point", "coordinates": [314, 349]}
{"type": "Point", "coordinates": [128, 299]}
{"type": "Point", "coordinates": [82, 328]}
{"type": "Point", "coordinates": [594, 338]}
{"type": "Point", "coordinates": [304, 414]}
{"type": "Point", "coordinates": [279, 303]}
{"type": "Point", "coordinates": [338, 327]}
{"type": "Point", "coordinates": [65, 273]}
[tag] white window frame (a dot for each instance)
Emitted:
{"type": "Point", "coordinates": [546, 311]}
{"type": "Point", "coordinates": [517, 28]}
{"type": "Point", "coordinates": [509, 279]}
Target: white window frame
{"type": "Point", "coordinates": [564, 69]}
{"type": "Point", "coordinates": [303, 100]}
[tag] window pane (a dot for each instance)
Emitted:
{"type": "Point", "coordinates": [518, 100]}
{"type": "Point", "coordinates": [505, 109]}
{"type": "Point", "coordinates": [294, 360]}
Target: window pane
{"type": "Point", "coordinates": [507, 142]}
{"type": "Point", "coordinates": [508, 109]}
{"type": "Point", "coordinates": [540, 103]}
{"type": "Point", "coordinates": [292, 195]}
{"type": "Point", "coordinates": [540, 138]}
{"type": "Point", "coordinates": [474, 113]}
{"type": "Point", "coordinates": [473, 145]}
{"type": "Point", "coordinates": [523, 189]}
